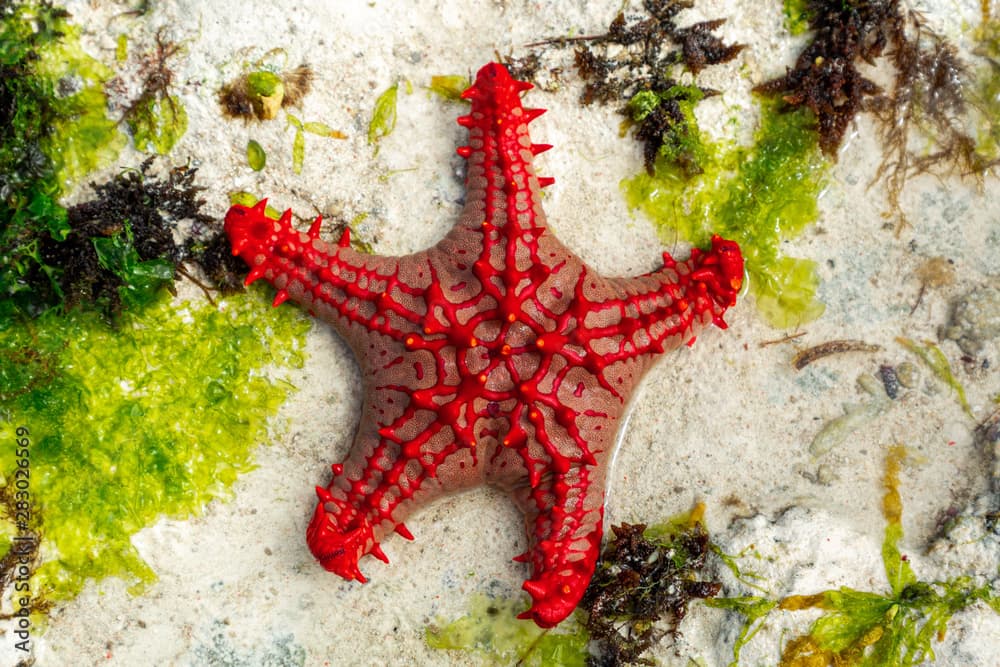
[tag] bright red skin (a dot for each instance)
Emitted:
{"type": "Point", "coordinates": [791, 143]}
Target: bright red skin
{"type": "Point", "coordinates": [496, 356]}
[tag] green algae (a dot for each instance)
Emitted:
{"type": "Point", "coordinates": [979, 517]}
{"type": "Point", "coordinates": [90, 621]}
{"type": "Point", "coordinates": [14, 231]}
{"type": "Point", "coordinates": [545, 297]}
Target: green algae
{"type": "Point", "coordinates": [896, 628]}
{"type": "Point", "coordinates": [82, 138]}
{"type": "Point", "coordinates": [797, 16]}
{"type": "Point", "coordinates": [141, 279]}
{"type": "Point", "coordinates": [758, 196]}
{"type": "Point", "coordinates": [492, 631]}
{"type": "Point", "coordinates": [986, 89]}
{"type": "Point", "coordinates": [154, 418]}
{"type": "Point", "coordinates": [681, 144]}
{"type": "Point", "coordinates": [383, 120]}
{"type": "Point", "coordinates": [54, 130]}
{"type": "Point", "coordinates": [157, 123]}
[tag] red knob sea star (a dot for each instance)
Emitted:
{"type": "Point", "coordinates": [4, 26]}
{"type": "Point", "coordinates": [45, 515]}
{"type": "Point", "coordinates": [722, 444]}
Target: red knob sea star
{"type": "Point", "coordinates": [496, 356]}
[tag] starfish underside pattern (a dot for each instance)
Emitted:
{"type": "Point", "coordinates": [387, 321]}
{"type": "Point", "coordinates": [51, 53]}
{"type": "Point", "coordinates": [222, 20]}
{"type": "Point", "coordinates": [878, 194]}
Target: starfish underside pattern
{"type": "Point", "coordinates": [496, 356]}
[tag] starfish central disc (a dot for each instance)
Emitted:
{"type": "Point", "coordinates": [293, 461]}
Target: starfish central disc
{"type": "Point", "coordinates": [496, 356]}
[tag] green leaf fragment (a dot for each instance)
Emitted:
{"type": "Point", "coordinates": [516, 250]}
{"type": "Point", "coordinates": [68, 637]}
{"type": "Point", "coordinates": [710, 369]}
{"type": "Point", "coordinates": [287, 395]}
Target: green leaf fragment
{"type": "Point", "coordinates": [449, 86]}
{"type": "Point", "coordinates": [934, 358]}
{"type": "Point", "coordinates": [249, 199]}
{"type": "Point", "coordinates": [837, 430]}
{"type": "Point", "coordinates": [298, 150]}
{"type": "Point", "coordinates": [383, 120]}
{"type": "Point", "coordinates": [256, 156]}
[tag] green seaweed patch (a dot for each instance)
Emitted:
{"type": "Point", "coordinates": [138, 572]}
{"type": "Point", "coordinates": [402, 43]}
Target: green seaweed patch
{"type": "Point", "coordinates": [82, 138]}
{"type": "Point", "coordinates": [492, 631]}
{"type": "Point", "coordinates": [757, 196]}
{"type": "Point", "coordinates": [157, 123]}
{"type": "Point", "coordinates": [868, 629]}
{"type": "Point", "coordinates": [119, 249]}
{"type": "Point", "coordinates": [53, 131]}
{"type": "Point", "coordinates": [154, 418]}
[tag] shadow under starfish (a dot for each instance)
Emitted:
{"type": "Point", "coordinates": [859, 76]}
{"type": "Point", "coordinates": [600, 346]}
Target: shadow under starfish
{"type": "Point", "coordinates": [496, 356]}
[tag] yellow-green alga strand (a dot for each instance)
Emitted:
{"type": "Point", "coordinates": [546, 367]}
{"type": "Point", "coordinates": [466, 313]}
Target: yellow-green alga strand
{"type": "Point", "coordinates": [897, 568]}
{"type": "Point", "coordinates": [757, 196]}
{"type": "Point", "coordinates": [323, 130]}
{"type": "Point", "coordinates": [153, 419]}
{"type": "Point", "coordinates": [934, 358]}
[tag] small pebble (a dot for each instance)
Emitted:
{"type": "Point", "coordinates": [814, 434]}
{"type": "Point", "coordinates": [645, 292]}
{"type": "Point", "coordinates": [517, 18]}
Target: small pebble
{"type": "Point", "coordinates": [868, 382]}
{"type": "Point", "coordinates": [890, 381]}
{"type": "Point", "coordinates": [907, 374]}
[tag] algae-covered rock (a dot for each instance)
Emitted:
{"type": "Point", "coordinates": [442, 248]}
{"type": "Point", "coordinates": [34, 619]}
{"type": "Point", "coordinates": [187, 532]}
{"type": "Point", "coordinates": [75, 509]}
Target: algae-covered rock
{"type": "Point", "coordinates": [975, 319]}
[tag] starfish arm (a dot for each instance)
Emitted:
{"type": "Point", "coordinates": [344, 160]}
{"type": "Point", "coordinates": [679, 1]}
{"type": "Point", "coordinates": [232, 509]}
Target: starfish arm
{"type": "Point", "coordinates": [335, 282]}
{"type": "Point", "coordinates": [374, 490]}
{"type": "Point", "coordinates": [564, 513]}
{"type": "Point", "coordinates": [657, 312]}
